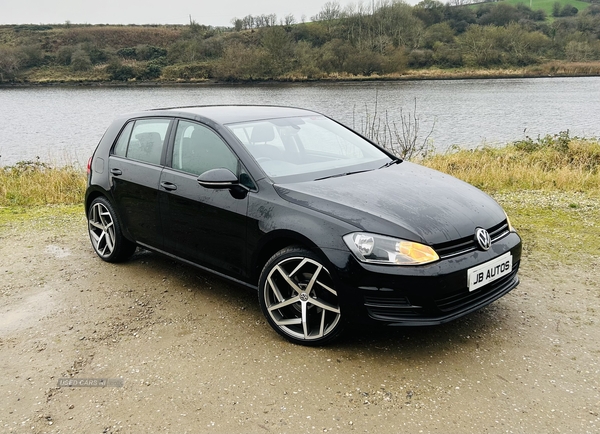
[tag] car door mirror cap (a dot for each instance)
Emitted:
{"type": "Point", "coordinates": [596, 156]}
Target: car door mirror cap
{"type": "Point", "coordinates": [219, 179]}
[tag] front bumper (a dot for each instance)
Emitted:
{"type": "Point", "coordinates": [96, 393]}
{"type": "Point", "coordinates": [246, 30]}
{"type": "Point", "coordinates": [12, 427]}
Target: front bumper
{"type": "Point", "coordinates": [423, 295]}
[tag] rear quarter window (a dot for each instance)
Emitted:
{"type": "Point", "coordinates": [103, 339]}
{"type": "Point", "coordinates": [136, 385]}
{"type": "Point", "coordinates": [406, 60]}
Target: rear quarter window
{"type": "Point", "coordinates": [143, 140]}
{"type": "Point", "coordinates": [120, 148]}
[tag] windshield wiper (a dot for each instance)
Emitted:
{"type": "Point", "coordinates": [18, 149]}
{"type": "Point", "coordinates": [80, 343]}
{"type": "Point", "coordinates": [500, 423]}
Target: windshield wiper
{"type": "Point", "coordinates": [389, 163]}
{"type": "Point", "coordinates": [337, 175]}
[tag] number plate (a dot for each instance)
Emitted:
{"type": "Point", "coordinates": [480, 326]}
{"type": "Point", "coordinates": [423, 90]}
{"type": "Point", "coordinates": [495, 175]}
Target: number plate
{"type": "Point", "coordinates": [492, 270]}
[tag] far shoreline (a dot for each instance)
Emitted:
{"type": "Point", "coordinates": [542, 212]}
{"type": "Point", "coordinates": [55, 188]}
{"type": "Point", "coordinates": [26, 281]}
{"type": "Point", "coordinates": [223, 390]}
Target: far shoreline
{"type": "Point", "coordinates": [565, 70]}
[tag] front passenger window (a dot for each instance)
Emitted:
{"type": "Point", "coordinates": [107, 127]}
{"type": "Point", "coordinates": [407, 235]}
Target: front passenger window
{"type": "Point", "coordinates": [198, 149]}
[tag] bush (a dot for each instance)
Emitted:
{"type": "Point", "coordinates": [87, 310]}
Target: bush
{"type": "Point", "coordinates": [127, 53]}
{"type": "Point", "coordinates": [64, 54]}
{"type": "Point", "coordinates": [96, 55]}
{"type": "Point", "coordinates": [80, 61]}
{"type": "Point", "coordinates": [365, 63]}
{"type": "Point", "coordinates": [119, 72]}
{"type": "Point", "coordinates": [32, 55]}
{"type": "Point", "coordinates": [10, 62]}
{"type": "Point", "coordinates": [149, 52]}
{"type": "Point", "coordinates": [447, 56]}
{"type": "Point", "coordinates": [420, 58]}
{"type": "Point", "coordinates": [150, 72]}
{"type": "Point", "coordinates": [192, 71]}
{"type": "Point", "coordinates": [557, 142]}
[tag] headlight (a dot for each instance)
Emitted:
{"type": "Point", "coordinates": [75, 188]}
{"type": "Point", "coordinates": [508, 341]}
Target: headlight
{"type": "Point", "coordinates": [379, 249]}
{"type": "Point", "coordinates": [510, 226]}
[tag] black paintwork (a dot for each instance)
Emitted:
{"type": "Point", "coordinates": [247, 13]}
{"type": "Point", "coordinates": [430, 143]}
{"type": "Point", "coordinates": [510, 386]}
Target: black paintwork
{"type": "Point", "coordinates": [234, 231]}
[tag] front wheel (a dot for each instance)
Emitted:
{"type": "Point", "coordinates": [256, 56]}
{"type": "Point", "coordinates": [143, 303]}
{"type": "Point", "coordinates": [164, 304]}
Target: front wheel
{"type": "Point", "coordinates": [105, 232]}
{"type": "Point", "coordinates": [298, 297]}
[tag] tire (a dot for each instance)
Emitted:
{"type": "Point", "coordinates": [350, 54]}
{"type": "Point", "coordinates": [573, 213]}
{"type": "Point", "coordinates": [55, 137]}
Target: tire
{"type": "Point", "coordinates": [297, 296]}
{"type": "Point", "coordinates": [105, 232]}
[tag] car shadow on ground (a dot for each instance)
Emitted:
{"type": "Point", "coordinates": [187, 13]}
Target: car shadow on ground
{"type": "Point", "coordinates": [479, 330]}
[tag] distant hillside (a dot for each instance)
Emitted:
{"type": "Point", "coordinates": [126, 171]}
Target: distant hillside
{"type": "Point", "coordinates": [431, 39]}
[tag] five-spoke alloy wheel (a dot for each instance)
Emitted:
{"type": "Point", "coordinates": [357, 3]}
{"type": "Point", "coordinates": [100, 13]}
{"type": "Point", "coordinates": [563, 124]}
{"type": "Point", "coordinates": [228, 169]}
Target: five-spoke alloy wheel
{"type": "Point", "coordinates": [298, 297]}
{"type": "Point", "coordinates": [105, 232]}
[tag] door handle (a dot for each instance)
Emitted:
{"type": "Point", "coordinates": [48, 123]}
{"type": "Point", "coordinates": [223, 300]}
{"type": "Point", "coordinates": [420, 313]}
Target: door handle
{"type": "Point", "coordinates": [168, 186]}
{"type": "Point", "coordinates": [116, 172]}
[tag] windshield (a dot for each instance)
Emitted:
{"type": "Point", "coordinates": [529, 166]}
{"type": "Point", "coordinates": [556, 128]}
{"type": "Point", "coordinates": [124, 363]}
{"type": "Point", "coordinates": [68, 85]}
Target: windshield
{"type": "Point", "coordinates": [307, 148]}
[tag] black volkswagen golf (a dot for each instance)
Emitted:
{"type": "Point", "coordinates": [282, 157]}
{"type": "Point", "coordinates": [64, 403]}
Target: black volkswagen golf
{"type": "Point", "coordinates": [329, 227]}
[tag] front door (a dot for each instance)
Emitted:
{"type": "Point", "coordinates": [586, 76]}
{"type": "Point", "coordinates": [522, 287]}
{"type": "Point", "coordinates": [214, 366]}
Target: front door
{"type": "Point", "coordinates": [202, 225]}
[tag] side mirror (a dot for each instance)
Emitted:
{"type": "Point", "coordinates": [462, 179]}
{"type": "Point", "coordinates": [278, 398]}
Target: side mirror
{"type": "Point", "coordinates": [218, 178]}
{"type": "Point", "coordinates": [222, 178]}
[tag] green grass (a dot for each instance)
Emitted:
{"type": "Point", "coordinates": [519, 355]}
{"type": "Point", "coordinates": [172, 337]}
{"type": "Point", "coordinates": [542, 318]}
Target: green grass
{"type": "Point", "coordinates": [58, 218]}
{"type": "Point", "coordinates": [546, 5]}
{"type": "Point", "coordinates": [552, 223]}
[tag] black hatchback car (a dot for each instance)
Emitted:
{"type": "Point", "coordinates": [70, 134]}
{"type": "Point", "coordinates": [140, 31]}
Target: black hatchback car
{"type": "Point", "coordinates": [329, 227]}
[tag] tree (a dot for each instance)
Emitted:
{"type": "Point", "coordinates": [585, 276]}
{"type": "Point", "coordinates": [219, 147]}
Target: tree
{"type": "Point", "coordinates": [279, 50]}
{"type": "Point", "coordinates": [479, 46]}
{"type": "Point", "coordinates": [579, 51]}
{"type": "Point", "coordinates": [556, 9]}
{"type": "Point", "coordinates": [330, 13]}
{"type": "Point", "coordinates": [522, 47]}
{"type": "Point", "coordinates": [289, 20]}
{"type": "Point", "coordinates": [441, 32]}
{"type": "Point", "coordinates": [334, 54]}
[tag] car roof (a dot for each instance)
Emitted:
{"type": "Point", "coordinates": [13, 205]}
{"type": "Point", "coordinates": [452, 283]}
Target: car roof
{"type": "Point", "coordinates": [226, 114]}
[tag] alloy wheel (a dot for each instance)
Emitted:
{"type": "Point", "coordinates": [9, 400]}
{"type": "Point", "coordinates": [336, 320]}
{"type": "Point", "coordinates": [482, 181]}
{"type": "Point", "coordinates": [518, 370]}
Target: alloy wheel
{"type": "Point", "coordinates": [102, 229]}
{"type": "Point", "coordinates": [300, 299]}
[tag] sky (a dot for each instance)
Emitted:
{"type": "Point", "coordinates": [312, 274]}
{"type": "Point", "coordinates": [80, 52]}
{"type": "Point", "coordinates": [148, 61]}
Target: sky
{"type": "Point", "coordinates": [207, 12]}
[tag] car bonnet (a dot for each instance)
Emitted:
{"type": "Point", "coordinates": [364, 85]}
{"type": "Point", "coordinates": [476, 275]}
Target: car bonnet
{"type": "Point", "coordinates": [405, 200]}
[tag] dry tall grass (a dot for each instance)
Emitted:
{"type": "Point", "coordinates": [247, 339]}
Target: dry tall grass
{"type": "Point", "coordinates": [551, 163]}
{"type": "Point", "coordinates": [34, 183]}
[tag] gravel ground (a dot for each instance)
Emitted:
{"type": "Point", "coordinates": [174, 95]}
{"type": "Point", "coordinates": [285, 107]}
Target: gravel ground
{"type": "Point", "coordinates": [194, 353]}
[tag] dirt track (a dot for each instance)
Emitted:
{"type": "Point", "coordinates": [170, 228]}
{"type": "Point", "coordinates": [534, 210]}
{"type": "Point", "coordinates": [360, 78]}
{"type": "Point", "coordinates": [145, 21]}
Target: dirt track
{"type": "Point", "coordinates": [195, 354]}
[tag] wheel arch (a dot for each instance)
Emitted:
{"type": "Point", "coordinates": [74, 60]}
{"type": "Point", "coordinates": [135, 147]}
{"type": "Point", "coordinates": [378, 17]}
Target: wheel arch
{"type": "Point", "coordinates": [93, 194]}
{"type": "Point", "coordinates": [276, 241]}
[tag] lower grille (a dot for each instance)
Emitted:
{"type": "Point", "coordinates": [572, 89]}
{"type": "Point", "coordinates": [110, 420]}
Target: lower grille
{"type": "Point", "coordinates": [390, 308]}
{"type": "Point", "coordinates": [462, 299]}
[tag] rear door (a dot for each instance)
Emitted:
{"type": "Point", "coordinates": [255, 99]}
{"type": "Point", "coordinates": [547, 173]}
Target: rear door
{"type": "Point", "coordinates": [205, 226]}
{"type": "Point", "coordinates": [135, 165]}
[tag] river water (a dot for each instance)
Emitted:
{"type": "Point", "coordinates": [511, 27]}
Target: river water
{"type": "Point", "coordinates": [63, 124]}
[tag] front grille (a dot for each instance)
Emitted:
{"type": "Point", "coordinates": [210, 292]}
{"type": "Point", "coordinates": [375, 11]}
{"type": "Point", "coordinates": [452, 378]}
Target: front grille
{"type": "Point", "coordinates": [462, 299]}
{"type": "Point", "coordinates": [467, 244]}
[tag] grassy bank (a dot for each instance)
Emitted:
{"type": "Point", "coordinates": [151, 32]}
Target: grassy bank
{"type": "Point", "coordinates": [549, 186]}
{"type": "Point", "coordinates": [551, 163]}
{"type": "Point", "coordinates": [61, 75]}
{"type": "Point", "coordinates": [33, 183]}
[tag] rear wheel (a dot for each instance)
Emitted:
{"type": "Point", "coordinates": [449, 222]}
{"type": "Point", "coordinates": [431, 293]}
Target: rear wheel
{"type": "Point", "coordinates": [105, 232]}
{"type": "Point", "coordinates": [298, 297]}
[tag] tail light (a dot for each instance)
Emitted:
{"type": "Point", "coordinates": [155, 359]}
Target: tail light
{"type": "Point", "coordinates": [89, 165]}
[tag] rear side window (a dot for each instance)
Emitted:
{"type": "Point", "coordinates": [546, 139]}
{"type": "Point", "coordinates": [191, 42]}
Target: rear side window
{"type": "Point", "coordinates": [143, 140]}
